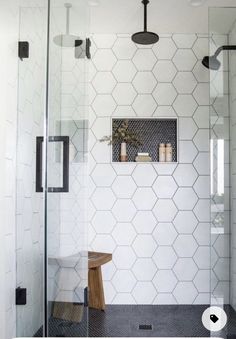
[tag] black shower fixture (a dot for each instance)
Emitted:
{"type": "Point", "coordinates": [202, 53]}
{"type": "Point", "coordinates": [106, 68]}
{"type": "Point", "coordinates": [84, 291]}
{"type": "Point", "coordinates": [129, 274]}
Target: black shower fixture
{"type": "Point", "coordinates": [23, 50]}
{"type": "Point", "coordinates": [144, 37]}
{"type": "Point", "coordinates": [212, 62]}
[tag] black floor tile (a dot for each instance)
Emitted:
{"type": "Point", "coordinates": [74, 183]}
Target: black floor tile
{"type": "Point", "coordinates": [124, 321]}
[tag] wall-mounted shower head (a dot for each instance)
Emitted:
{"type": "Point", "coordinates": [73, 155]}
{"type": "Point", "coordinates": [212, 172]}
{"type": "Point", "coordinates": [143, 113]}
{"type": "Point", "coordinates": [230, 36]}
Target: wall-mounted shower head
{"type": "Point", "coordinates": [144, 37]}
{"type": "Point", "coordinates": [211, 62]}
{"type": "Point", "coordinates": [67, 39]}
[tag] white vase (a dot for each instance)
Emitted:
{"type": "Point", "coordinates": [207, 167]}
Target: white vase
{"type": "Point", "coordinates": [123, 152]}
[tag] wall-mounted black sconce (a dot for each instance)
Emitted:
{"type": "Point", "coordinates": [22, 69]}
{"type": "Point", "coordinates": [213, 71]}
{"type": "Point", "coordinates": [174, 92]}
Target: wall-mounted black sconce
{"type": "Point", "coordinates": [23, 50]}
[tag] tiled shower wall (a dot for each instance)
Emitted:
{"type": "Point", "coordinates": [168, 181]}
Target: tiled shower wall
{"type": "Point", "coordinates": [153, 218]}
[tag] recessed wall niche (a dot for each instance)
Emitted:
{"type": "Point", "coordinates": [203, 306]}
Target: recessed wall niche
{"type": "Point", "coordinates": [151, 132]}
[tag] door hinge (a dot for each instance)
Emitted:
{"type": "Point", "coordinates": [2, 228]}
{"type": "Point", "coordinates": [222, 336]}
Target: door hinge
{"type": "Point", "coordinates": [21, 298]}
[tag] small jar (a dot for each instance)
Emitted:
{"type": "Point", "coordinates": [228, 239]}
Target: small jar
{"type": "Point", "coordinates": [169, 153]}
{"type": "Point", "coordinates": [123, 152]}
{"type": "Point", "coordinates": [162, 153]}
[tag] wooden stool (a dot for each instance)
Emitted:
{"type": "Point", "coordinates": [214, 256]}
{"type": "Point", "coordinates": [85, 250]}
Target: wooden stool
{"type": "Point", "coordinates": [95, 283]}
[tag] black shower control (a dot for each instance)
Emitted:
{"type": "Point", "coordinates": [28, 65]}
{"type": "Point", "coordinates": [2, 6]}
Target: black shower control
{"type": "Point", "coordinates": [21, 296]}
{"type": "Point", "coordinates": [23, 49]}
{"type": "Point", "coordinates": [78, 43]}
{"type": "Point", "coordinates": [88, 45]}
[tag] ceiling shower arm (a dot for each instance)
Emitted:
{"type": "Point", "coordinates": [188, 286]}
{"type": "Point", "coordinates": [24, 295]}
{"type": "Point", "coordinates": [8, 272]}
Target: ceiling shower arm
{"type": "Point", "coordinates": [68, 21]}
{"type": "Point", "coordinates": [144, 37]}
{"type": "Point", "coordinates": [224, 48]}
{"type": "Point", "coordinates": [145, 3]}
{"type": "Point", "coordinates": [68, 7]}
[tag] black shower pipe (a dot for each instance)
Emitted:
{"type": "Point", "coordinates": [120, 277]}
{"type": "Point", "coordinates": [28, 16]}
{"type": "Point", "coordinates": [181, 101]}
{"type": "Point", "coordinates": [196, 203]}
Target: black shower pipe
{"type": "Point", "coordinates": [145, 2]}
{"type": "Point", "coordinates": [224, 48]}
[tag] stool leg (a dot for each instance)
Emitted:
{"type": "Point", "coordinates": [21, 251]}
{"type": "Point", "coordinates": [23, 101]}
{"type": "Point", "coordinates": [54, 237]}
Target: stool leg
{"type": "Point", "coordinates": [96, 292]}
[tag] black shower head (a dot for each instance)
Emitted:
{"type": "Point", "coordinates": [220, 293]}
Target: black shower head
{"type": "Point", "coordinates": [211, 62]}
{"type": "Point", "coordinates": [144, 37]}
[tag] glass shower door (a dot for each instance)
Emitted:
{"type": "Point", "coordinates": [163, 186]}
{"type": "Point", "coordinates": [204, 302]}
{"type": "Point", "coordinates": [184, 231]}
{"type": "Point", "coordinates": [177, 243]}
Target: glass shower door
{"type": "Point", "coordinates": [51, 225]}
{"type": "Point", "coordinates": [66, 220]}
{"type": "Point", "coordinates": [29, 202]}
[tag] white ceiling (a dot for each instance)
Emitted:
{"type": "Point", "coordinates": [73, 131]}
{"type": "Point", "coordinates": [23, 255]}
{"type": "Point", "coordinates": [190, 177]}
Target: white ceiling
{"type": "Point", "coordinates": [164, 16]}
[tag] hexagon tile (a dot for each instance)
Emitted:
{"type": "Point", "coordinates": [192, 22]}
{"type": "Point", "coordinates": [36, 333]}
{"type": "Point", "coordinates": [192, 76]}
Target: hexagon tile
{"type": "Point", "coordinates": [154, 218]}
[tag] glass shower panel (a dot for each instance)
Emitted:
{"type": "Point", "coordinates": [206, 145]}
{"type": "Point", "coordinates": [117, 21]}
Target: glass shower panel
{"type": "Point", "coordinates": [66, 170]}
{"type": "Point", "coordinates": [30, 203]}
{"type": "Point", "coordinates": [219, 162]}
{"type": "Point", "coordinates": [222, 33]}
{"type": "Point", "coordinates": [232, 101]}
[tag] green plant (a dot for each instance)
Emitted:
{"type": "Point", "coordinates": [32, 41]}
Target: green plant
{"type": "Point", "coordinates": [122, 133]}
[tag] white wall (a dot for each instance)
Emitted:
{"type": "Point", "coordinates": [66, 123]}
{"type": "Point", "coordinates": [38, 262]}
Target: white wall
{"type": "Point", "coordinates": [111, 16]}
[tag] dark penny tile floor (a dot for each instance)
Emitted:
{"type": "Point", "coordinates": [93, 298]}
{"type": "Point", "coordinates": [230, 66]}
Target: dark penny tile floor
{"type": "Point", "coordinates": [124, 321]}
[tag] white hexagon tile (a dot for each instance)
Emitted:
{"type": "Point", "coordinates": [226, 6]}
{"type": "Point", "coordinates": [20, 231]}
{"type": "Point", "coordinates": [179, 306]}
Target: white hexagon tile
{"type": "Point", "coordinates": [165, 257]}
{"type": "Point", "coordinates": [124, 71]}
{"type": "Point", "coordinates": [144, 269]}
{"type": "Point", "coordinates": [165, 281]}
{"type": "Point", "coordinates": [165, 187]}
{"type": "Point", "coordinates": [124, 186]}
{"type": "Point", "coordinates": [164, 71]}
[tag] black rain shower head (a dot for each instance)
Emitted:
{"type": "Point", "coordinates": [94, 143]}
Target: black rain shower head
{"type": "Point", "coordinates": [144, 37]}
{"type": "Point", "coordinates": [211, 62]}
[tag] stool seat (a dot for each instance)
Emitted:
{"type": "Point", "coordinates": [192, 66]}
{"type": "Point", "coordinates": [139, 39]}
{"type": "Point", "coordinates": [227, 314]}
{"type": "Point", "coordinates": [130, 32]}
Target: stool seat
{"type": "Point", "coordinates": [96, 259]}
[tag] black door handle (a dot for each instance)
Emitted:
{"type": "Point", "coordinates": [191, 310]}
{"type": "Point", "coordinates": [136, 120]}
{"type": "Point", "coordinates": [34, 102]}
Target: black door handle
{"type": "Point", "coordinates": [39, 164]}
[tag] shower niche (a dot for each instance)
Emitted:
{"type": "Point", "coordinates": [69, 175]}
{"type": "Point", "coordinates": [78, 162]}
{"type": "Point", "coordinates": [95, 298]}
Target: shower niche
{"type": "Point", "coordinates": [150, 133]}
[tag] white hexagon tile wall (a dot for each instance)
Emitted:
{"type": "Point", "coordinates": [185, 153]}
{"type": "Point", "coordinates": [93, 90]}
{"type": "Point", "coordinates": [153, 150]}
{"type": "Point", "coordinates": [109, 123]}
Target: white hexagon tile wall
{"type": "Point", "coordinates": [154, 218]}
{"type": "Point", "coordinates": [147, 215]}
